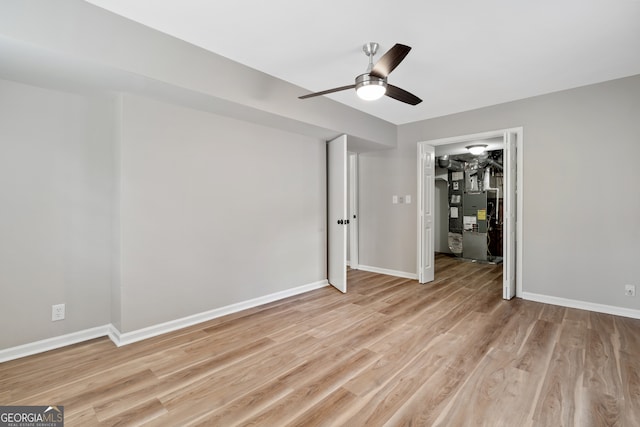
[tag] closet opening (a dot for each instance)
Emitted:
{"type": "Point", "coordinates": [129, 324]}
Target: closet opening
{"type": "Point", "coordinates": [473, 205]}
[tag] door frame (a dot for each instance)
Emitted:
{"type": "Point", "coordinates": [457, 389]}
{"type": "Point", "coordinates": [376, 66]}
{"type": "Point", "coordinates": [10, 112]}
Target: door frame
{"type": "Point", "coordinates": [519, 131]}
{"type": "Point", "coordinates": [352, 192]}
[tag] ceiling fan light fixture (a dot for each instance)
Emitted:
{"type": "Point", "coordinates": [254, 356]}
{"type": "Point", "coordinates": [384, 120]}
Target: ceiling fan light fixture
{"type": "Point", "coordinates": [476, 149]}
{"type": "Point", "coordinates": [370, 88]}
{"type": "Point", "coordinates": [371, 92]}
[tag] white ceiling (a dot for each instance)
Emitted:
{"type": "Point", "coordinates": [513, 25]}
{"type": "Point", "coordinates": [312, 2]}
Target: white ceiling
{"type": "Point", "coordinates": [466, 53]}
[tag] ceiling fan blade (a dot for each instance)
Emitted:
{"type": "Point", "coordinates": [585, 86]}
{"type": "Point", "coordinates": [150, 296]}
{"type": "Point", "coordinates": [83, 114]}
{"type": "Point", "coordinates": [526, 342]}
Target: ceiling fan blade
{"type": "Point", "coordinates": [390, 60]}
{"type": "Point", "coordinates": [324, 92]}
{"type": "Point", "coordinates": [402, 95]}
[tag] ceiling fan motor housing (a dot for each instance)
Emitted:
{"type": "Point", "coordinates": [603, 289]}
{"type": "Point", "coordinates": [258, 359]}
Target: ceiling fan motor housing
{"type": "Point", "coordinates": [369, 87]}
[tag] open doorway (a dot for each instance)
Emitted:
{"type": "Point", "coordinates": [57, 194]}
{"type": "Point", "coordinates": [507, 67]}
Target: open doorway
{"type": "Point", "coordinates": [469, 199]}
{"type": "Point", "coordinates": [472, 233]}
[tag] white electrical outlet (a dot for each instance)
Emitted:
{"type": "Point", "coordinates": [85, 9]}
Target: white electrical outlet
{"type": "Point", "coordinates": [630, 290]}
{"type": "Point", "coordinates": [57, 312]}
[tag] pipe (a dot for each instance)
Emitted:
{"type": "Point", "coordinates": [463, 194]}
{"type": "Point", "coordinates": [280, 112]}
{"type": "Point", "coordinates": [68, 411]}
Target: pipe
{"type": "Point", "coordinates": [447, 162]}
{"type": "Point", "coordinates": [492, 162]}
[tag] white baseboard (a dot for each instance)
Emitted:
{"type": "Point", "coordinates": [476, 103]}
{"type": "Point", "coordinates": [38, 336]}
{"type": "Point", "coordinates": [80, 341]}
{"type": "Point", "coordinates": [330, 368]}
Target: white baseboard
{"type": "Point", "coordinates": [53, 343]}
{"type": "Point", "coordinates": [125, 338]}
{"type": "Point", "coordinates": [388, 272]}
{"type": "Point", "coordinates": [582, 305]}
{"type": "Point", "coordinates": [121, 339]}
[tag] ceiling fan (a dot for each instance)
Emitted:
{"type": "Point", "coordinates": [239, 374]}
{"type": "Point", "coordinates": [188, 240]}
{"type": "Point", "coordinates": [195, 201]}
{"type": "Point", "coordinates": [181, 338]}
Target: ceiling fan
{"type": "Point", "coordinates": [373, 84]}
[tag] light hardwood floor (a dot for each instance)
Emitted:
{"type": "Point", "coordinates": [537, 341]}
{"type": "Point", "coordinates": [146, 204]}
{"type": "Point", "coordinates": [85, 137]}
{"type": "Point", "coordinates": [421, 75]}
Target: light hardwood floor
{"type": "Point", "coordinates": [389, 352]}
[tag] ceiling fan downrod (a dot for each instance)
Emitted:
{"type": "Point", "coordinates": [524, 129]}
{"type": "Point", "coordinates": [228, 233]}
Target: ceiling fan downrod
{"type": "Point", "coordinates": [370, 49]}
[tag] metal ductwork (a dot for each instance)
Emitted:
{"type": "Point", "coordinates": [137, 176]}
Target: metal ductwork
{"type": "Point", "coordinates": [492, 162]}
{"type": "Point", "coordinates": [447, 162]}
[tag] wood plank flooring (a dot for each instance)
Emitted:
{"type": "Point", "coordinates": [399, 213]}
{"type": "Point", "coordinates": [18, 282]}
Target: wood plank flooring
{"type": "Point", "coordinates": [391, 352]}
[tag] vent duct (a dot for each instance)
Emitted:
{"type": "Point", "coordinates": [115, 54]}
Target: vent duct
{"type": "Point", "coordinates": [447, 162]}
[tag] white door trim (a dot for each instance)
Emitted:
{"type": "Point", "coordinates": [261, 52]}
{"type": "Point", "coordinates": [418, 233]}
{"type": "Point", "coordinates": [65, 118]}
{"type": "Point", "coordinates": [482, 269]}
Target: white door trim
{"type": "Point", "coordinates": [519, 131]}
{"type": "Point", "coordinates": [353, 212]}
{"type": "Point", "coordinates": [509, 252]}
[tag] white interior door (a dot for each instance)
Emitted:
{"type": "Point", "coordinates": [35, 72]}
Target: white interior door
{"type": "Point", "coordinates": [426, 189]}
{"type": "Point", "coordinates": [337, 211]}
{"type": "Point", "coordinates": [353, 210]}
{"type": "Point", "coordinates": [509, 238]}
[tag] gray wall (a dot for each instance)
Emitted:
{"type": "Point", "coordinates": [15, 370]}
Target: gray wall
{"type": "Point", "coordinates": [214, 211]}
{"type": "Point", "coordinates": [56, 216]}
{"type": "Point", "coordinates": [387, 231]}
{"type": "Point", "coordinates": [580, 223]}
{"type": "Point", "coordinates": [135, 212]}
